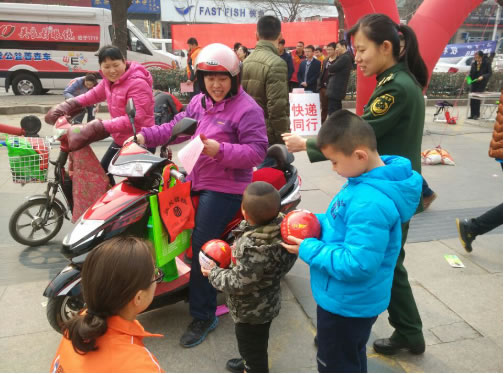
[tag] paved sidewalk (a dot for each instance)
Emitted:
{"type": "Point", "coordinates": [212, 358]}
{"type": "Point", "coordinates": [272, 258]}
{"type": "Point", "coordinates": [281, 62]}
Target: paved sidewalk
{"type": "Point", "coordinates": [461, 308]}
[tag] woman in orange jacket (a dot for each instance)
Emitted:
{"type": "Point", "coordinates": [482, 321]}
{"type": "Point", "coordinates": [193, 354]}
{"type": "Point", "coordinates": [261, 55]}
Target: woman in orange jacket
{"type": "Point", "coordinates": [118, 281]}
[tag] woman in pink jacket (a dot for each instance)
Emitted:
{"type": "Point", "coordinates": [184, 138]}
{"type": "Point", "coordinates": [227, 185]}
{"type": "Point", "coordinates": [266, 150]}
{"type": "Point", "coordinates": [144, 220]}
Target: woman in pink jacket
{"type": "Point", "coordinates": [122, 80]}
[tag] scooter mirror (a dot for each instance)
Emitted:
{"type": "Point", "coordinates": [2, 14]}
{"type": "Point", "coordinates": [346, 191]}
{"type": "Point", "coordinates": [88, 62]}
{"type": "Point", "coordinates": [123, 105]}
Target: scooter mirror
{"type": "Point", "coordinates": [131, 111]}
{"type": "Point", "coordinates": [130, 108]}
{"type": "Point", "coordinates": [186, 126]}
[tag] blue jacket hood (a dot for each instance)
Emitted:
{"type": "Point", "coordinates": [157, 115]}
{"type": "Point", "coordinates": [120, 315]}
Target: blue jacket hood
{"type": "Point", "coordinates": [398, 181]}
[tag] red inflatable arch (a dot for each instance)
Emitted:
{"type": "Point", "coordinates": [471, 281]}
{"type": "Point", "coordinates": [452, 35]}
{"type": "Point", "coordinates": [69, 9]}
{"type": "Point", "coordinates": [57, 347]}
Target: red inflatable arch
{"type": "Point", "coordinates": [434, 22]}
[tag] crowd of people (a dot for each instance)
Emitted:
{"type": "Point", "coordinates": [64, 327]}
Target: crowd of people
{"type": "Point", "coordinates": [241, 103]}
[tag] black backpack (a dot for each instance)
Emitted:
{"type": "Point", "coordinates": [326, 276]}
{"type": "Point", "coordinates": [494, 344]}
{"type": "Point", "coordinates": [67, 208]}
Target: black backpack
{"type": "Point", "coordinates": [164, 108]}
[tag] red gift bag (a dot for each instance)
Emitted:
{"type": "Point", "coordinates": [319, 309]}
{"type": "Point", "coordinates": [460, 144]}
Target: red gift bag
{"type": "Point", "coordinates": [175, 205]}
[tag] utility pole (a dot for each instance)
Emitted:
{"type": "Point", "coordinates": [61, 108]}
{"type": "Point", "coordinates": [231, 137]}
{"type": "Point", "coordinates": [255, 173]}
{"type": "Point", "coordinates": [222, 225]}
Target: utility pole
{"type": "Point", "coordinates": [497, 19]}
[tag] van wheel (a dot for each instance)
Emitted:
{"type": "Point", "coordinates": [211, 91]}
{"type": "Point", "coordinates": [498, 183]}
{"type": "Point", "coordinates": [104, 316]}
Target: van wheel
{"type": "Point", "coordinates": [26, 84]}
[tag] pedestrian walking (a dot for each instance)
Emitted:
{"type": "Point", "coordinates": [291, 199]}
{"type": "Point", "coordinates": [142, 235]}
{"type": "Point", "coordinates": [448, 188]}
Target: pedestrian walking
{"type": "Point", "coordinates": [470, 228]}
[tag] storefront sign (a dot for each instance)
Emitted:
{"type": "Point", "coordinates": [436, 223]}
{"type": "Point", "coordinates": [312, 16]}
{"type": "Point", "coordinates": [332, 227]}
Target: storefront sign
{"type": "Point", "coordinates": [215, 11]}
{"type": "Point", "coordinates": [137, 6]}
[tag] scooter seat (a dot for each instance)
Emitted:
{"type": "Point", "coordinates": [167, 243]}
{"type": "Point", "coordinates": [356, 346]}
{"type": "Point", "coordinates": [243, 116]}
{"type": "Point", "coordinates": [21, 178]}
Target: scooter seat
{"type": "Point", "coordinates": [273, 176]}
{"type": "Point", "coordinates": [282, 157]}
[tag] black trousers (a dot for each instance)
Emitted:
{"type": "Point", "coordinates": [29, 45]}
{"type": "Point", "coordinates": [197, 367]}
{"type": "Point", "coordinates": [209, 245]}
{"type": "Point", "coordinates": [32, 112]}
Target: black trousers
{"type": "Point", "coordinates": [333, 106]}
{"type": "Point", "coordinates": [342, 342]}
{"type": "Point", "coordinates": [475, 107]}
{"type": "Point", "coordinates": [487, 221]}
{"type": "Point", "coordinates": [253, 346]}
{"type": "Point", "coordinates": [403, 312]}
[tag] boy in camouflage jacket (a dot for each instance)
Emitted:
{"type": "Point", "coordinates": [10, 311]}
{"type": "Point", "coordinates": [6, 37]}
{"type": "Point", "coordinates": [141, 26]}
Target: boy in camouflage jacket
{"type": "Point", "coordinates": [252, 284]}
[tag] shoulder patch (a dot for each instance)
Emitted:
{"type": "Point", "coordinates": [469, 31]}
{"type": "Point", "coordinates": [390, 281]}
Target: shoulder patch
{"type": "Point", "coordinates": [388, 78]}
{"type": "Point", "coordinates": [382, 104]}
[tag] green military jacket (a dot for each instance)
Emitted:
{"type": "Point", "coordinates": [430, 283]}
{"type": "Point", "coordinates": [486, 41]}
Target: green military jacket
{"type": "Point", "coordinates": [264, 77]}
{"type": "Point", "coordinates": [396, 111]}
{"type": "Point", "coordinates": [252, 284]}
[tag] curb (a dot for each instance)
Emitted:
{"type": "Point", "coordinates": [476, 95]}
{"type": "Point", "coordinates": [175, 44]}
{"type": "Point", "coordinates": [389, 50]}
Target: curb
{"type": "Point", "coordinates": [33, 109]}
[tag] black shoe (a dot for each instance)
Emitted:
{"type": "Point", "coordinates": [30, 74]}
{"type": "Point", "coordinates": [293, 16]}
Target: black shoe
{"type": "Point", "coordinates": [390, 347]}
{"type": "Point", "coordinates": [235, 365]}
{"type": "Point", "coordinates": [197, 331]}
{"type": "Point", "coordinates": [465, 236]}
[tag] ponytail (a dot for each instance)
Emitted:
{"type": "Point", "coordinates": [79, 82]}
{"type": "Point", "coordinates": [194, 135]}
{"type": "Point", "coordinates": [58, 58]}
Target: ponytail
{"type": "Point", "coordinates": [380, 27]}
{"type": "Point", "coordinates": [84, 330]}
{"type": "Point", "coordinates": [112, 274]}
{"type": "Point", "coordinates": [412, 57]}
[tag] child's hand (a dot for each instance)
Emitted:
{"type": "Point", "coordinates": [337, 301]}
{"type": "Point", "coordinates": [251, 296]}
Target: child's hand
{"type": "Point", "coordinates": [293, 248]}
{"type": "Point", "coordinates": [205, 270]}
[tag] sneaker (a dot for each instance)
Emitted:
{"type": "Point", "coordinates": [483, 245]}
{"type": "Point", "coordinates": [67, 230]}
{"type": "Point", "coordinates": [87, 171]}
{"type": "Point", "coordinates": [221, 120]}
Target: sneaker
{"type": "Point", "coordinates": [465, 236]}
{"type": "Point", "coordinates": [197, 331]}
{"type": "Point", "coordinates": [427, 201]}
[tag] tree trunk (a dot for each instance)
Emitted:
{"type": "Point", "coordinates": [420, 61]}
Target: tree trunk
{"type": "Point", "coordinates": [341, 19]}
{"type": "Point", "coordinates": [119, 10]}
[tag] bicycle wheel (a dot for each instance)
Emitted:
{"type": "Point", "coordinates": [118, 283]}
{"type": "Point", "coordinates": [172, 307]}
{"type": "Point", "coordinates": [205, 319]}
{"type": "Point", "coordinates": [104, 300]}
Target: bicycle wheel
{"type": "Point", "coordinates": [26, 224]}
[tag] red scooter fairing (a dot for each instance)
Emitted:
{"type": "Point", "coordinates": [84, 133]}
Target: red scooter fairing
{"type": "Point", "coordinates": [116, 199]}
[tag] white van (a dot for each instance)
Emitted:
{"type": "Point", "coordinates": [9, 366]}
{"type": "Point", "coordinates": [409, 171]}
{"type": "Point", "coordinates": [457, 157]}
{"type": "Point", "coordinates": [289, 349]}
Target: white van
{"type": "Point", "coordinates": [43, 47]}
{"type": "Point", "coordinates": [165, 45]}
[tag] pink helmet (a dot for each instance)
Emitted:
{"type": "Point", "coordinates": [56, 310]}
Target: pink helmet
{"type": "Point", "coordinates": [218, 58]}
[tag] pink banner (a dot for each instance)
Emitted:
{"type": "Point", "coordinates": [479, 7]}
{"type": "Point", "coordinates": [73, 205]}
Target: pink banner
{"type": "Point", "coordinates": [42, 32]}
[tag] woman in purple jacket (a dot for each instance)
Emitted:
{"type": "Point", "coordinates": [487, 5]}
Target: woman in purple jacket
{"type": "Point", "coordinates": [235, 141]}
{"type": "Point", "coordinates": [122, 80]}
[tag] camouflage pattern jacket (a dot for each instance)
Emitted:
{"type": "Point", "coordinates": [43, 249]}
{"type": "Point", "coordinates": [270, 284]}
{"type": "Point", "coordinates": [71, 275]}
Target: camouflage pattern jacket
{"type": "Point", "coordinates": [253, 283]}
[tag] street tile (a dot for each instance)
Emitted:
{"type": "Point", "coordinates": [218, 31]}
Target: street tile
{"type": "Point", "coordinates": [30, 353]}
{"type": "Point", "coordinates": [455, 332]}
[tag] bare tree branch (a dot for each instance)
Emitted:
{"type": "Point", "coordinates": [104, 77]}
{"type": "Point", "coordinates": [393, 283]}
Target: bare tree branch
{"type": "Point", "coordinates": [341, 19]}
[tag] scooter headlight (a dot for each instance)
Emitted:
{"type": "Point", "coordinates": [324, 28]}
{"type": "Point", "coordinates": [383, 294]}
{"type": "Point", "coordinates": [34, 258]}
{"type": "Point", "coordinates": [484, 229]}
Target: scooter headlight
{"type": "Point", "coordinates": [131, 169]}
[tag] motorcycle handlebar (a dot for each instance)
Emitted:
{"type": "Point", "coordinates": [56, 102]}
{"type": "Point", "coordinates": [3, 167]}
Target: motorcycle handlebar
{"type": "Point", "coordinates": [11, 130]}
{"type": "Point", "coordinates": [177, 175]}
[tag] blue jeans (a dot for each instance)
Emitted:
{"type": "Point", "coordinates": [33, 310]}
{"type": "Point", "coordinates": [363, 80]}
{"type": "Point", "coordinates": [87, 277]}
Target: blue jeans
{"type": "Point", "coordinates": [342, 342]}
{"type": "Point", "coordinates": [215, 210]}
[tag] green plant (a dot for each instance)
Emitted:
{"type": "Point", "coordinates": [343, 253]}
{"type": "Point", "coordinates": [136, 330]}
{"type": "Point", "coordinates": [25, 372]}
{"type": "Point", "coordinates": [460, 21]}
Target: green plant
{"type": "Point", "coordinates": [169, 80]}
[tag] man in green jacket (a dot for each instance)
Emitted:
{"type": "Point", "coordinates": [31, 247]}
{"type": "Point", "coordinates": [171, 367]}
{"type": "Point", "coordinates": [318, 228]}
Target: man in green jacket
{"type": "Point", "coordinates": [265, 78]}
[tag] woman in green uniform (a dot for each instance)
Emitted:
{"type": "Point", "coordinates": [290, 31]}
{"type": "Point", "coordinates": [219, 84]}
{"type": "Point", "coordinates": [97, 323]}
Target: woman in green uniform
{"type": "Point", "coordinates": [396, 111]}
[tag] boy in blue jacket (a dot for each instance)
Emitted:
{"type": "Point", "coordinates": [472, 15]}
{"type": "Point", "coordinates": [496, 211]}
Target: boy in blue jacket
{"type": "Point", "coordinates": [352, 264]}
